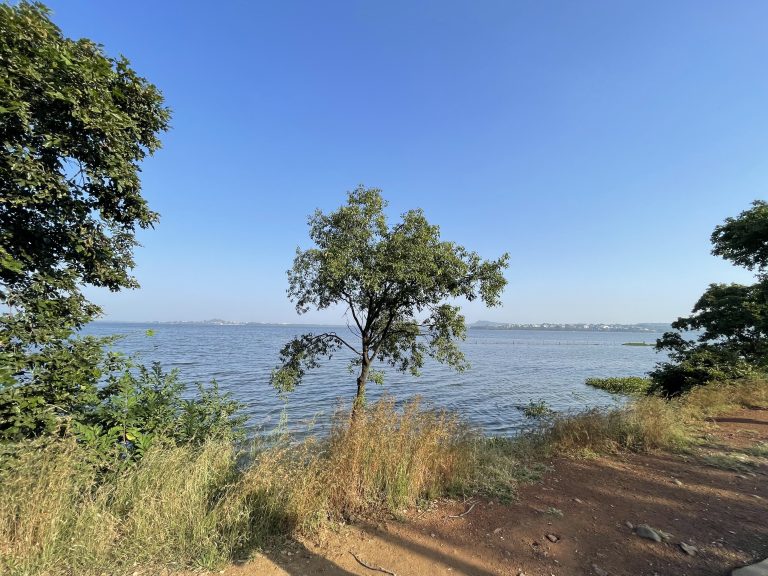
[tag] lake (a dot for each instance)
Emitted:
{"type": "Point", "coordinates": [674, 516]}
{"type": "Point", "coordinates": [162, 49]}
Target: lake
{"type": "Point", "coordinates": [509, 368]}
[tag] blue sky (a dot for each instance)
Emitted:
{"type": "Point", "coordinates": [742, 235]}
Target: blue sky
{"type": "Point", "coordinates": [597, 142]}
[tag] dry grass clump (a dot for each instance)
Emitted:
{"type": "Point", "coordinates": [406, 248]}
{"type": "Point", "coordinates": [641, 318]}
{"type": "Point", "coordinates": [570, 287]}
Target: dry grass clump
{"type": "Point", "coordinates": [390, 459]}
{"type": "Point", "coordinates": [645, 424]}
{"type": "Point", "coordinates": [58, 517]}
{"type": "Point", "coordinates": [714, 399]}
{"type": "Point", "coordinates": [650, 423]}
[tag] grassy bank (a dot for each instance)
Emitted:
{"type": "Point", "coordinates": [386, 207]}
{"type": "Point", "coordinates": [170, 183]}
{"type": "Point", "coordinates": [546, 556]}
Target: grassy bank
{"type": "Point", "coordinates": [202, 506]}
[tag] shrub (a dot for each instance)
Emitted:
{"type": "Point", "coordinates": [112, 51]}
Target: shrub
{"type": "Point", "coordinates": [115, 407]}
{"type": "Point", "coordinates": [697, 366]}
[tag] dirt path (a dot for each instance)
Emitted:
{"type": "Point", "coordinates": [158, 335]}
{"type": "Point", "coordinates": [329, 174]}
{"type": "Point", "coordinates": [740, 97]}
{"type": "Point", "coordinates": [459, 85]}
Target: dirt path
{"type": "Point", "coordinates": [585, 507]}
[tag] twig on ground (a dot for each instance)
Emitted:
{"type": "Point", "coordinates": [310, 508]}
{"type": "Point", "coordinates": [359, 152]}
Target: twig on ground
{"type": "Point", "coordinates": [463, 513]}
{"type": "Point", "coordinates": [376, 568]}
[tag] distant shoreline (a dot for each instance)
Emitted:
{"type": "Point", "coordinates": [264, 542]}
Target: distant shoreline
{"type": "Point", "coordinates": [649, 328]}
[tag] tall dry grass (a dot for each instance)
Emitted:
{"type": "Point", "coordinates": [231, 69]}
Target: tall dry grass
{"type": "Point", "coordinates": [650, 423]}
{"type": "Point", "coordinates": [199, 507]}
{"type": "Point", "coordinates": [202, 506]}
{"type": "Point", "coordinates": [390, 459]}
{"type": "Point", "coordinates": [58, 517]}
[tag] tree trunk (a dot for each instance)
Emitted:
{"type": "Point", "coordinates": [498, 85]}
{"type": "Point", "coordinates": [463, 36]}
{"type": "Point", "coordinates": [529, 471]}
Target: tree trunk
{"type": "Point", "coordinates": [360, 396]}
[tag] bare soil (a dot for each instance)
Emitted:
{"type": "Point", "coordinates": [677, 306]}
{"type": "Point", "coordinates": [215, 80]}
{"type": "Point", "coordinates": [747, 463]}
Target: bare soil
{"type": "Point", "coordinates": [577, 520]}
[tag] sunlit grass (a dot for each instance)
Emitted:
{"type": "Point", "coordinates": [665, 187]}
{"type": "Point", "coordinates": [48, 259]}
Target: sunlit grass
{"type": "Point", "coordinates": [188, 507]}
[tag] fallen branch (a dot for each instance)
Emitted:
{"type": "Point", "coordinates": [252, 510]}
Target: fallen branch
{"type": "Point", "coordinates": [376, 568]}
{"type": "Point", "coordinates": [463, 513]}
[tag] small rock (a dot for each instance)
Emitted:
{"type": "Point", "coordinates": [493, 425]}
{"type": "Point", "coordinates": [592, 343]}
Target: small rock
{"type": "Point", "coordinates": [759, 569]}
{"type": "Point", "coordinates": [552, 538]}
{"type": "Point", "coordinates": [629, 525]}
{"type": "Point", "coordinates": [497, 530]}
{"type": "Point", "coordinates": [688, 549]}
{"type": "Point", "coordinates": [578, 501]}
{"type": "Point", "coordinates": [432, 534]}
{"type": "Point", "coordinates": [645, 531]}
{"type": "Point", "coordinates": [599, 571]}
{"type": "Point", "coordinates": [676, 481]}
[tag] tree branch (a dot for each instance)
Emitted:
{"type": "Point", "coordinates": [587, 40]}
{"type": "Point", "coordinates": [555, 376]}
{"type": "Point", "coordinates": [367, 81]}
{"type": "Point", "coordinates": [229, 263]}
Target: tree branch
{"type": "Point", "coordinates": [338, 338]}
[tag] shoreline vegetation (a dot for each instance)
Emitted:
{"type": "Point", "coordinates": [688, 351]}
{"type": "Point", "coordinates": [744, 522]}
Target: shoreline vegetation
{"type": "Point", "coordinates": [629, 385]}
{"type": "Point", "coordinates": [184, 507]}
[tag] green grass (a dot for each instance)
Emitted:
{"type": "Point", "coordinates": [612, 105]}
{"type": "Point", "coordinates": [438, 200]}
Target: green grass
{"type": "Point", "coordinates": [632, 385]}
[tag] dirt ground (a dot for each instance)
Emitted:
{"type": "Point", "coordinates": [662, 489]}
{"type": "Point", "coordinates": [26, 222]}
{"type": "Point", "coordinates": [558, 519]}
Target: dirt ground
{"type": "Point", "coordinates": [577, 520]}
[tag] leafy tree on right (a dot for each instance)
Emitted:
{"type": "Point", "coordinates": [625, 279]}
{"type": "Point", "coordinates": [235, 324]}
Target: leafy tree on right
{"type": "Point", "coordinates": [731, 319]}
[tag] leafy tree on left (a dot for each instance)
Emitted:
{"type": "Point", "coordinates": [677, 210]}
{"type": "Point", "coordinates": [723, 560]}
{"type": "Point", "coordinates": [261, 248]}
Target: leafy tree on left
{"type": "Point", "coordinates": [75, 125]}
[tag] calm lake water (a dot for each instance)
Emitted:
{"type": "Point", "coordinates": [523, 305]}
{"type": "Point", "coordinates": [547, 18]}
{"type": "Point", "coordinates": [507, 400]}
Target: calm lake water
{"type": "Point", "coordinates": [509, 368]}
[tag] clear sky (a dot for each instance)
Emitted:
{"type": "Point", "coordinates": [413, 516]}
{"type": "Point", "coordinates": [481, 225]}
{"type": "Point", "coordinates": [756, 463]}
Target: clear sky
{"type": "Point", "coordinates": [597, 142]}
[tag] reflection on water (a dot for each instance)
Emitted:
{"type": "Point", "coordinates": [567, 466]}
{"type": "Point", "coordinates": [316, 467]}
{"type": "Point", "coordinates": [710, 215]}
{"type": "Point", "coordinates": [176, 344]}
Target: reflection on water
{"type": "Point", "coordinates": [509, 368]}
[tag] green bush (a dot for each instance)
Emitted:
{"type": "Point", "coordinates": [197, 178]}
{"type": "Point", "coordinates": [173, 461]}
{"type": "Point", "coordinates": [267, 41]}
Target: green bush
{"type": "Point", "coordinates": [698, 366]}
{"type": "Point", "coordinates": [110, 404]}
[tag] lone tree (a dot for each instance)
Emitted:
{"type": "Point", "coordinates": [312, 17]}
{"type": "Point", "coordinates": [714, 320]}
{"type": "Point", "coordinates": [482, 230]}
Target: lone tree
{"type": "Point", "coordinates": [74, 126]}
{"type": "Point", "coordinates": [731, 319]}
{"type": "Point", "coordinates": [395, 283]}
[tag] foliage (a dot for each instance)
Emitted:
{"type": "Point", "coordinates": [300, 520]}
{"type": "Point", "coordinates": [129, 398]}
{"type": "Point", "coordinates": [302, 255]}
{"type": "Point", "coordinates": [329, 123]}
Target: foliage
{"type": "Point", "coordinates": [731, 319]}
{"type": "Point", "coordinates": [75, 124]}
{"type": "Point", "coordinates": [111, 404]}
{"type": "Point", "coordinates": [61, 382]}
{"type": "Point", "coordinates": [632, 385]}
{"type": "Point", "coordinates": [394, 283]}
{"type": "Point", "coordinates": [536, 409]}
{"type": "Point", "coordinates": [139, 406]}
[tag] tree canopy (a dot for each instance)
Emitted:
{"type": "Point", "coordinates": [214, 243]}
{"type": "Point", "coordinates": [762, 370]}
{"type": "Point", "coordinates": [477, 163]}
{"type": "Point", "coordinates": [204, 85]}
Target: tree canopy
{"type": "Point", "coordinates": [730, 320]}
{"type": "Point", "coordinates": [75, 125]}
{"type": "Point", "coordinates": [395, 284]}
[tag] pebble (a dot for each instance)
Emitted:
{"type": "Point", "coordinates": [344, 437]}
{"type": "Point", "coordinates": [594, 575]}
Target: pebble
{"type": "Point", "coordinates": [599, 571]}
{"type": "Point", "coordinates": [629, 525]}
{"type": "Point", "coordinates": [552, 538]}
{"type": "Point", "coordinates": [578, 501]}
{"type": "Point", "coordinates": [645, 531]}
{"type": "Point", "coordinates": [688, 549]}
{"type": "Point", "coordinates": [676, 481]}
{"type": "Point", "coordinates": [497, 530]}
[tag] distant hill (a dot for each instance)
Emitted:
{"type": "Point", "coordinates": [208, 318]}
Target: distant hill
{"type": "Point", "coordinates": [580, 327]}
